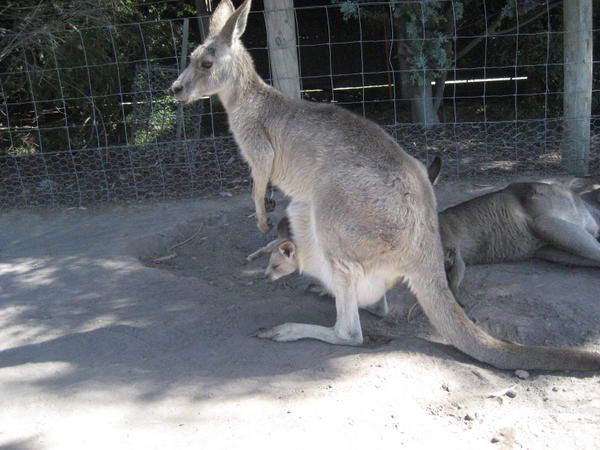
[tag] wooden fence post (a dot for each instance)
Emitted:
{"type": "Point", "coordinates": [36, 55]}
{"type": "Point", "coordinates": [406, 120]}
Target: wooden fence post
{"type": "Point", "coordinates": [182, 62]}
{"type": "Point", "coordinates": [578, 43]}
{"type": "Point", "coordinates": [283, 53]}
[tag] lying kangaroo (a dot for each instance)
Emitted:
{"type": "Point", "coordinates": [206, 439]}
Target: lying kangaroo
{"type": "Point", "coordinates": [371, 214]}
{"type": "Point", "coordinates": [521, 221]}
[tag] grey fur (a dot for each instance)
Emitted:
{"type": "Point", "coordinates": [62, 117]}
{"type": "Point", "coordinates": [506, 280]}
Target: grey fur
{"type": "Point", "coordinates": [372, 215]}
{"type": "Point", "coordinates": [283, 259]}
{"type": "Point", "coordinates": [521, 221]}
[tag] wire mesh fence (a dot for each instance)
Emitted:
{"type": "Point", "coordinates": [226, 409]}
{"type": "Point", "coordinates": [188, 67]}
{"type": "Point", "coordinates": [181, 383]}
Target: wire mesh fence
{"type": "Point", "coordinates": [86, 116]}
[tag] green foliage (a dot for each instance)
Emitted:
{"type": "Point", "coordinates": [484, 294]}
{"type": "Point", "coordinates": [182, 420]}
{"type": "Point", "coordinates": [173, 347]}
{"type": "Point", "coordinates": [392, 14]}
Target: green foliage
{"type": "Point", "coordinates": [162, 120]}
{"type": "Point", "coordinates": [425, 30]}
{"type": "Point", "coordinates": [348, 8]}
{"type": "Point", "coordinates": [78, 62]}
{"type": "Point", "coordinates": [426, 27]}
{"type": "Point", "coordinates": [511, 9]}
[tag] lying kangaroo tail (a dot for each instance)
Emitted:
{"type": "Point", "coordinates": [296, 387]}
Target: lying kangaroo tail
{"type": "Point", "coordinates": [451, 321]}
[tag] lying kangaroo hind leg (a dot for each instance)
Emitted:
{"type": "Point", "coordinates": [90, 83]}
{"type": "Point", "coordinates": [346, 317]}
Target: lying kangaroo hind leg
{"type": "Point", "coordinates": [379, 309]}
{"type": "Point", "coordinates": [318, 289]}
{"type": "Point", "coordinates": [567, 236]}
{"type": "Point", "coordinates": [346, 331]}
{"type": "Point", "coordinates": [556, 255]}
{"type": "Point", "coordinates": [455, 272]}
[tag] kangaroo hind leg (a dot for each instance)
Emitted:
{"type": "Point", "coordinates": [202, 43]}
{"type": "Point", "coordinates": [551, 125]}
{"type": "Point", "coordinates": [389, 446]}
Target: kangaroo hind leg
{"type": "Point", "coordinates": [346, 331]}
{"type": "Point", "coordinates": [455, 269]}
{"type": "Point", "coordinates": [380, 308]}
{"type": "Point", "coordinates": [567, 236]}
{"type": "Point", "coordinates": [559, 256]}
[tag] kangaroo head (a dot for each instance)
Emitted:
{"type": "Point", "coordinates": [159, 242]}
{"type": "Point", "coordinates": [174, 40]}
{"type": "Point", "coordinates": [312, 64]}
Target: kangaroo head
{"type": "Point", "coordinates": [282, 261]}
{"type": "Point", "coordinates": [221, 58]}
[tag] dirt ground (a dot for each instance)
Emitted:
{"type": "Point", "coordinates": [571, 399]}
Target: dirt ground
{"type": "Point", "coordinates": [131, 327]}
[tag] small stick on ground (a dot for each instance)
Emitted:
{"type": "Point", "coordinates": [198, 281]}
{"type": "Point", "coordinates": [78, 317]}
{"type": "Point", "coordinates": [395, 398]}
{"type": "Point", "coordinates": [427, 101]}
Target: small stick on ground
{"type": "Point", "coordinates": [501, 392]}
{"type": "Point", "coordinates": [192, 237]}
{"type": "Point", "coordinates": [168, 257]}
{"type": "Point", "coordinates": [410, 311]}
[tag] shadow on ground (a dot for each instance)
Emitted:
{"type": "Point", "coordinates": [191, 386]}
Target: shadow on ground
{"type": "Point", "coordinates": [75, 292]}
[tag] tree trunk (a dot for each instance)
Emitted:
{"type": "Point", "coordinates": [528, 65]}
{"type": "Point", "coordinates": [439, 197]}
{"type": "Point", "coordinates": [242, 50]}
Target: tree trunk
{"type": "Point", "coordinates": [577, 100]}
{"type": "Point", "coordinates": [182, 64]}
{"type": "Point", "coordinates": [422, 106]}
{"type": "Point", "coordinates": [283, 54]}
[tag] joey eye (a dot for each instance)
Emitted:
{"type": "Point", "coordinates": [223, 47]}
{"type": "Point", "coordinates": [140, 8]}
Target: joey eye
{"type": "Point", "coordinates": [206, 64]}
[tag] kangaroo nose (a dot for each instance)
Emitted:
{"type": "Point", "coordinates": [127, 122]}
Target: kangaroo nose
{"type": "Point", "coordinates": [176, 88]}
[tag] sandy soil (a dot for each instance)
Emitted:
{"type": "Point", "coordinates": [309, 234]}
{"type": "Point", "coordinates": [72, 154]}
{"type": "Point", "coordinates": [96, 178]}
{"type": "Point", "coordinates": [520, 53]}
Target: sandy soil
{"type": "Point", "coordinates": [104, 346]}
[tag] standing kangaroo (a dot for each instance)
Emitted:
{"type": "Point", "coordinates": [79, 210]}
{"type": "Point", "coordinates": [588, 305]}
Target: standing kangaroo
{"type": "Point", "coordinates": [371, 211]}
{"type": "Point", "coordinates": [284, 259]}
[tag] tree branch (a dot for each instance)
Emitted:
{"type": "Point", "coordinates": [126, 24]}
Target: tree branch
{"type": "Point", "coordinates": [491, 31]}
{"type": "Point", "coordinates": [531, 19]}
{"type": "Point", "coordinates": [475, 42]}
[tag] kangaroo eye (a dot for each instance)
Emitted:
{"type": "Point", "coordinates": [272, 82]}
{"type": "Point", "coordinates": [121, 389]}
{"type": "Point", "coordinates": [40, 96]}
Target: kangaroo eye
{"type": "Point", "coordinates": [206, 64]}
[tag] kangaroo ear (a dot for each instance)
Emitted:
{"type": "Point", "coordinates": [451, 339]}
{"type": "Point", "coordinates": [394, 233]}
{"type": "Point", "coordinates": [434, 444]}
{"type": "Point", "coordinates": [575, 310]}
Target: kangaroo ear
{"type": "Point", "coordinates": [434, 170]}
{"type": "Point", "coordinates": [283, 228]}
{"type": "Point", "coordinates": [219, 16]}
{"type": "Point", "coordinates": [236, 24]}
{"type": "Point", "coordinates": [287, 249]}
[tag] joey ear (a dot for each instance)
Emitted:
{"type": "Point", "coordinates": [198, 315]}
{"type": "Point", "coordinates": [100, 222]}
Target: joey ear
{"type": "Point", "coordinates": [283, 227]}
{"type": "Point", "coordinates": [236, 24]}
{"type": "Point", "coordinates": [219, 17]}
{"type": "Point", "coordinates": [287, 249]}
{"type": "Point", "coordinates": [434, 170]}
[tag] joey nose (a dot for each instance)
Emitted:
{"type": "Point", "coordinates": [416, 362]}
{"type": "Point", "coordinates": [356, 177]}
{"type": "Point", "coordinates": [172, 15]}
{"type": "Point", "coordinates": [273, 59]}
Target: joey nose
{"type": "Point", "coordinates": [176, 88]}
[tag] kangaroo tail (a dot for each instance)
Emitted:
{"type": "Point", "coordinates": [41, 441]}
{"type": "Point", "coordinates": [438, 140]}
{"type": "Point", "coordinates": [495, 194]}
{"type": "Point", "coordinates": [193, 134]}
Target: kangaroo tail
{"type": "Point", "coordinates": [451, 321]}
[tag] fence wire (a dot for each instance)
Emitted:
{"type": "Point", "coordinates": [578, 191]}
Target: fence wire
{"type": "Point", "coordinates": [86, 116]}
